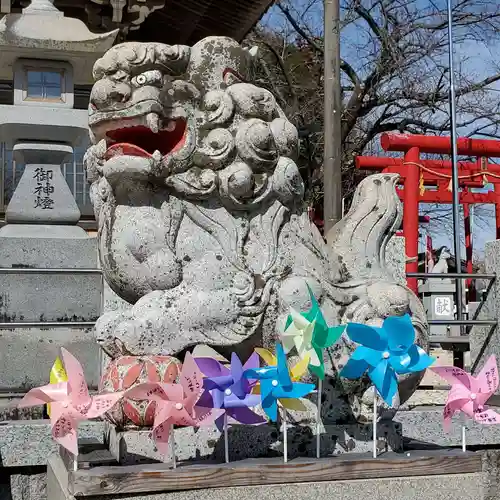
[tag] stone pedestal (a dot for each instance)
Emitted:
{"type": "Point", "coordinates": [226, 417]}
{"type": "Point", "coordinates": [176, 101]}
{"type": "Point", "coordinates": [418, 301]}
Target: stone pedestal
{"type": "Point", "coordinates": [41, 235]}
{"type": "Point", "coordinates": [439, 303]}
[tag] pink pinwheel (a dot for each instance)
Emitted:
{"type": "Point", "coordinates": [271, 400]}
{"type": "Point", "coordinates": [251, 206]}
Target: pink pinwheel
{"type": "Point", "coordinates": [469, 394]}
{"type": "Point", "coordinates": [70, 403]}
{"type": "Point", "coordinates": [176, 403]}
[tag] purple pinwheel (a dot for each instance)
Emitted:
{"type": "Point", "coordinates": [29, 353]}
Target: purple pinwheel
{"type": "Point", "coordinates": [227, 389]}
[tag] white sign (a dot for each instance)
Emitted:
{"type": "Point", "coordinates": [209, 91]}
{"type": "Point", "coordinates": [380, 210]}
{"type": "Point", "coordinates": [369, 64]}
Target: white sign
{"type": "Point", "coordinates": [443, 306]}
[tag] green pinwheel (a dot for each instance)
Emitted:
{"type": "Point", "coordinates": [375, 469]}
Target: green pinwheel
{"type": "Point", "coordinates": [309, 334]}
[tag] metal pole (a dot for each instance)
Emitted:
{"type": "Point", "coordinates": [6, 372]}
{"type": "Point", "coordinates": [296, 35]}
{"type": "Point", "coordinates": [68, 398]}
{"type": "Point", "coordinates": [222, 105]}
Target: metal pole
{"type": "Point", "coordinates": [454, 163]}
{"type": "Point", "coordinates": [332, 173]}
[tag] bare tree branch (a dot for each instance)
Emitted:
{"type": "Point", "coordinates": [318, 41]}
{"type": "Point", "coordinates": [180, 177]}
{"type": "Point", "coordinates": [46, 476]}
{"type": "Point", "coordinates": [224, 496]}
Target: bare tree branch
{"type": "Point", "coordinates": [394, 74]}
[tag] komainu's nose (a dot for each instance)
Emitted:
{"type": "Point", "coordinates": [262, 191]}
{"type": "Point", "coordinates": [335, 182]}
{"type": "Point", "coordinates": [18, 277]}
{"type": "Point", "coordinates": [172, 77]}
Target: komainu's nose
{"type": "Point", "coordinates": [106, 92]}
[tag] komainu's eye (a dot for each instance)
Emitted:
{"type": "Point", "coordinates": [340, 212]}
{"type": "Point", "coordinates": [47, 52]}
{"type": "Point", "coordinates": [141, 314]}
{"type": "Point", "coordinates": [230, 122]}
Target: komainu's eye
{"type": "Point", "coordinates": [153, 77]}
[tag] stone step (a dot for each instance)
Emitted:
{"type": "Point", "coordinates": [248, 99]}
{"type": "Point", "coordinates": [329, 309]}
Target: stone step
{"type": "Point", "coordinates": [49, 298]}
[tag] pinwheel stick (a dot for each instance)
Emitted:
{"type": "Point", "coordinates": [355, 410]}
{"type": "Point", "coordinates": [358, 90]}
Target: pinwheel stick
{"type": "Point", "coordinates": [374, 422]}
{"type": "Point", "coordinates": [226, 440]}
{"type": "Point", "coordinates": [172, 447]}
{"type": "Point", "coordinates": [464, 445]}
{"type": "Point", "coordinates": [318, 419]}
{"type": "Point", "coordinates": [285, 437]}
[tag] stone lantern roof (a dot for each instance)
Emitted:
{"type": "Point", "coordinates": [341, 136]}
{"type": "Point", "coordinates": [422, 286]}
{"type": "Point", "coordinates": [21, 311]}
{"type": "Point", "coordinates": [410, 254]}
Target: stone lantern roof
{"type": "Point", "coordinates": [41, 31]}
{"type": "Point", "coordinates": [168, 21]}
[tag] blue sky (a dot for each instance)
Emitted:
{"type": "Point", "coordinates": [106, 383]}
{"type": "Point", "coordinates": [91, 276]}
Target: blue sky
{"type": "Point", "coordinates": [476, 59]}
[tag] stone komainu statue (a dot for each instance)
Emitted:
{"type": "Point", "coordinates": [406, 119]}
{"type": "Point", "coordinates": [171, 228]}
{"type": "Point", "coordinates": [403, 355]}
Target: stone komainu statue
{"type": "Point", "coordinates": [202, 226]}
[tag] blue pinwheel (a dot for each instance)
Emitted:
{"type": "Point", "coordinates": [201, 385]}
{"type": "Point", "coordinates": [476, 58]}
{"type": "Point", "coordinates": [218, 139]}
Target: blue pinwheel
{"type": "Point", "coordinates": [385, 352]}
{"type": "Point", "coordinates": [275, 383]}
{"type": "Point", "coordinates": [227, 389]}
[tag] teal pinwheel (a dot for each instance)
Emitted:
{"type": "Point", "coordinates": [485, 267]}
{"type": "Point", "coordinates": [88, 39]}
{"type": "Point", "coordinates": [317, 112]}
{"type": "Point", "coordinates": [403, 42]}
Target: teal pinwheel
{"type": "Point", "coordinates": [309, 333]}
{"type": "Point", "coordinates": [276, 383]}
{"type": "Point", "coordinates": [385, 353]}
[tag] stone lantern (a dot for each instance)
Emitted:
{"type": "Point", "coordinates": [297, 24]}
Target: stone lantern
{"type": "Point", "coordinates": [46, 54]}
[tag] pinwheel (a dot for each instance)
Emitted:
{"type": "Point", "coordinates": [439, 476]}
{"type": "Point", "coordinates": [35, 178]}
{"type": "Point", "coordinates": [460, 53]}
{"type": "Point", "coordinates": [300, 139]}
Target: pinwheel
{"type": "Point", "coordinates": [226, 388]}
{"type": "Point", "coordinates": [296, 373]}
{"type": "Point", "coordinates": [309, 334]}
{"type": "Point", "coordinates": [383, 353]}
{"type": "Point", "coordinates": [70, 403]}
{"type": "Point", "coordinates": [176, 404]}
{"type": "Point", "coordinates": [276, 384]}
{"type": "Point", "coordinates": [468, 394]}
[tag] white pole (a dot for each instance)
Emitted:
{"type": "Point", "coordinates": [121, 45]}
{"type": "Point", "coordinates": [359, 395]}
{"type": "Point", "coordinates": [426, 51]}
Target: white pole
{"type": "Point", "coordinates": [464, 443]}
{"type": "Point", "coordinates": [318, 418]}
{"type": "Point", "coordinates": [285, 438]}
{"type": "Point", "coordinates": [374, 422]}
{"type": "Point", "coordinates": [172, 447]}
{"type": "Point", "coordinates": [226, 440]}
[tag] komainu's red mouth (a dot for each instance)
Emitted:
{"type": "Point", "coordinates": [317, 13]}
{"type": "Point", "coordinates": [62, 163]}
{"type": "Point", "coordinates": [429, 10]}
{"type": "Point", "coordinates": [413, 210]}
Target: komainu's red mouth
{"type": "Point", "coordinates": [140, 140]}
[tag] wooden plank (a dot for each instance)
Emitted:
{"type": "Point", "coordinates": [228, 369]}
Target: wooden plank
{"type": "Point", "coordinates": [158, 477]}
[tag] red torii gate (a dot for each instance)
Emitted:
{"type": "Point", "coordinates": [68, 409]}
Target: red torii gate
{"type": "Point", "coordinates": [416, 174]}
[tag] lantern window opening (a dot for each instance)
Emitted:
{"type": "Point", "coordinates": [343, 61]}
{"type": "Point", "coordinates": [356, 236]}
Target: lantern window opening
{"type": "Point", "coordinates": [44, 84]}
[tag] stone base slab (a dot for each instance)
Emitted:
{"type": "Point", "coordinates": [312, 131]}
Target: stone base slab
{"type": "Point", "coordinates": [425, 425]}
{"type": "Point", "coordinates": [244, 442]}
{"type": "Point", "coordinates": [410, 429]}
{"type": "Point", "coordinates": [28, 443]}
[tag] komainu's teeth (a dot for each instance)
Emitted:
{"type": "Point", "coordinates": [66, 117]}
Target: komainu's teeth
{"type": "Point", "coordinates": [171, 126]}
{"type": "Point", "coordinates": [102, 147]}
{"type": "Point", "coordinates": [157, 156]}
{"type": "Point", "coordinates": [92, 137]}
{"type": "Point", "coordinates": [153, 122]}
